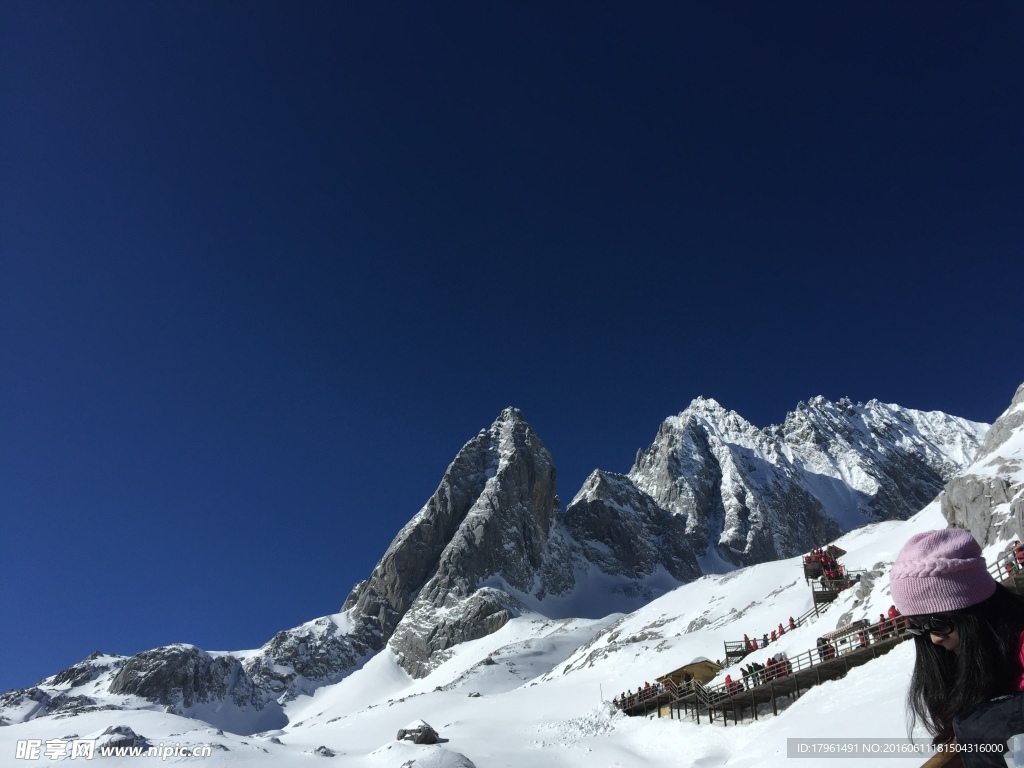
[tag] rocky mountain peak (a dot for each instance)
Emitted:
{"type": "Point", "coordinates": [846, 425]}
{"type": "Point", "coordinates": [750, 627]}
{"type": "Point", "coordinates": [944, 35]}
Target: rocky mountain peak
{"type": "Point", "coordinates": [489, 520]}
{"type": "Point", "coordinates": [755, 494]}
{"type": "Point", "coordinates": [509, 415]}
{"type": "Point", "coordinates": [624, 532]}
{"type": "Point", "coordinates": [701, 404]}
{"type": "Point", "coordinates": [705, 410]}
{"type": "Point", "coordinates": [595, 482]}
{"type": "Point", "coordinates": [703, 419]}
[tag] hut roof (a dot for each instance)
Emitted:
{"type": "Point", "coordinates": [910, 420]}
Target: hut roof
{"type": "Point", "coordinates": [847, 630]}
{"type": "Point", "coordinates": [698, 668]}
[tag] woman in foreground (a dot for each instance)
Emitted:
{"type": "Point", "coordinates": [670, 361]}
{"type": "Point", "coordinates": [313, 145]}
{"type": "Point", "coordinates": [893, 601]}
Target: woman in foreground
{"type": "Point", "coordinates": [969, 670]}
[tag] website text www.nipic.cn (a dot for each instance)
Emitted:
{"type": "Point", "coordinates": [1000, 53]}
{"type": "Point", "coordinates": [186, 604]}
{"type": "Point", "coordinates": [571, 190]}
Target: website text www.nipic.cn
{"type": "Point", "coordinates": [54, 749]}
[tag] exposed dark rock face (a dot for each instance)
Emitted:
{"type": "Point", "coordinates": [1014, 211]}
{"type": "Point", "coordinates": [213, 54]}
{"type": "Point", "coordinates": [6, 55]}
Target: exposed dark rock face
{"type": "Point", "coordinates": [424, 635]}
{"type": "Point", "coordinates": [121, 736]}
{"type": "Point", "coordinates": [185, 675]}
{"type": "Point", "coordinates": [320, 652]}
{"type": "Point", "coordinates": [988, 499]}
{"type": "Point", "coordinates": [86, 670]}
{"type": "Point", "coordinates": [69, 705]}
{"type": "Point", "coordinates": [502, 536]}
{"type": "Point", "coordinates": [418, 733]}
{"type": "Point", "coordinates": [56, 695]}
{"type": "Point", "coordinates": [1005, 427]}
{"type": "Point", "coordinates": [754, 495]}
{"type": "Point", "coordinates": [492, 540]}
{"type": "Point", "coordinates": [623, 531]}
{"type": "Point", "coordinates": [413, 556]}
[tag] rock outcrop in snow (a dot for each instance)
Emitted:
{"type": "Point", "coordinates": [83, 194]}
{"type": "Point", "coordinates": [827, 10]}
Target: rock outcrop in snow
{"type": "Point", "coordinates": [623, 531]}
{"type": "Point", "coordinates": [319, 652]}
{"type": "Point", "coordinates": [185, 675]}
{"type": "Point", "coordinates": [418, 732]}
{"type": "Point", "coordinates": [988, 498]}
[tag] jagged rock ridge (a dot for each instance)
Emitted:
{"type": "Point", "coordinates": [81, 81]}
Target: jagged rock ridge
{"type": "Point", "coordinates": [749, 495]}
{"type": "Point", "coordinates": [491, 518]}
{"type": "Point", "coordinates": [622, 530]}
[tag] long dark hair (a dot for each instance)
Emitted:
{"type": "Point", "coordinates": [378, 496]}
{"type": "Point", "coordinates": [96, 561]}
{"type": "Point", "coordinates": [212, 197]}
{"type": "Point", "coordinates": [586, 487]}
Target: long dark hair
{"type": "Point", "coordinates": [946, 684]}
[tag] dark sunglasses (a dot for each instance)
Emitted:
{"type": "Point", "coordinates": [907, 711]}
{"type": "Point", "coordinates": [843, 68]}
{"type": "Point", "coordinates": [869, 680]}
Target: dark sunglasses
{"type": "Point", "coordinates": [933, 625]}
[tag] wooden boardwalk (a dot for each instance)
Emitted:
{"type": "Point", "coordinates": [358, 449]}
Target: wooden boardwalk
{"type": "Point", "coordinates": [807, 670]}
{"type": "Point", "coordinates": [800, 673]}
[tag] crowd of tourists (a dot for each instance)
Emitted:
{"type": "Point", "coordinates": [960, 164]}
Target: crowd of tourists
{"type": "Point", "coordinates": [755, 674]}
{"type": "Point", "coordinates": [830, 567]}
{"type": "Point", "coordinates": [889, 625]}
{"type": "Point", "coordinates": [752, 644]}
{"type": "Point", "coordinates": [1014, 556]}
{"type": "Point", "coordinates": [643, 693]}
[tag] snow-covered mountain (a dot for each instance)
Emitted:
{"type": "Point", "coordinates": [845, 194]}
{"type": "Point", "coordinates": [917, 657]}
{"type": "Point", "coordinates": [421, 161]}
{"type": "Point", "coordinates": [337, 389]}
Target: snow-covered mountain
{"type": "Point", "coordinates": [750, 495]}
{"type": "Point", "coordinates": [492, 589]}
{"type": "Point", "coordinates": [492, 542]}
{"type": "Point", "coordinates": [242, 691]}
{"type": "Point", "coordinates": [484, 542]}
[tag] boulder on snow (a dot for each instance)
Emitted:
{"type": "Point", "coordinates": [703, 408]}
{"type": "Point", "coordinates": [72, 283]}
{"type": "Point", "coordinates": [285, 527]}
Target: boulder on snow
{"type": "Point", "coordinates": [418, 732]}
{"type": "Point", "coordinates": [121, 736]}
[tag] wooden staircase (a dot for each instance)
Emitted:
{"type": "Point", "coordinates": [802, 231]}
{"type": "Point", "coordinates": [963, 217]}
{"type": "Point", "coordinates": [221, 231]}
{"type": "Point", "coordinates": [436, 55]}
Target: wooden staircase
{"type": "Point", "coordinates": [803, 672]}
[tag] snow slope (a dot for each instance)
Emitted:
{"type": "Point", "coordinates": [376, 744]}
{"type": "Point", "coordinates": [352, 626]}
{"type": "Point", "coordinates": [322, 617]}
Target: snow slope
{"type": "Point", "coordinates": [536, 692]}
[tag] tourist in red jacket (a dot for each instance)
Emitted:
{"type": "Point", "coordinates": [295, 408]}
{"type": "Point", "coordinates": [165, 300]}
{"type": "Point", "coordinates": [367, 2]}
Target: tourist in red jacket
{"type": "Point", "coordinates": [896, 618]}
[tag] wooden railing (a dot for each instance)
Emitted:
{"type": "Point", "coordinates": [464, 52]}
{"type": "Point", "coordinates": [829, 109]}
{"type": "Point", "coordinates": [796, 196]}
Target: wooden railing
{"type": "Point", "coordinates": [646, 695]}
{"type": "Point", "coordinates": [999, 570]}
{"type": "Point", "coordinates": [808, 659]}
{"type": "Point", "coordinates": [703, 694]}
{"type": "Point", "coordinates": [708, 696]}
{"type": "Point", "coordinates": [732, 648]}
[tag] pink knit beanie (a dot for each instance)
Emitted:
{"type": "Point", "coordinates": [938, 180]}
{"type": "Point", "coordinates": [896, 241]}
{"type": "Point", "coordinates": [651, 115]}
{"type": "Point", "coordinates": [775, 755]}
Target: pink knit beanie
{"type": "Point", "coordinates": [939, 571]}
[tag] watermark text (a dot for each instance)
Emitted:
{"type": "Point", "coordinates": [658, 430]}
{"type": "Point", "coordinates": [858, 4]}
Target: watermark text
{"type": "Point", "coordinates": [72, 749]}
{"type": "Point", "coordinates": [839, 748]}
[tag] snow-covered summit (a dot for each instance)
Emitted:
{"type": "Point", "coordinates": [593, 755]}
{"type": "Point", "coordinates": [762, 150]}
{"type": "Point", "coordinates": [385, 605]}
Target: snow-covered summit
{"type": "Point", "coordinates": [751, 495]}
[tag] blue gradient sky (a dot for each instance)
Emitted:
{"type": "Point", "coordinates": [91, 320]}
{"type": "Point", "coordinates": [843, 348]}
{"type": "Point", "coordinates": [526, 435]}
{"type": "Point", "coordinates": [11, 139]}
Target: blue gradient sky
{"type": "Point", "coordinates": [267, 267]}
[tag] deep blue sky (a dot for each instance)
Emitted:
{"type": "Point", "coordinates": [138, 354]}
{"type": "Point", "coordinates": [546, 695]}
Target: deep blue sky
{"type": "Point", "coordinates": [267, 267]}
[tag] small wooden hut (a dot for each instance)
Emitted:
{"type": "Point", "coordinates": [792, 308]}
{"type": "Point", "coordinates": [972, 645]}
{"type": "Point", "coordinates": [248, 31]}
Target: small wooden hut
{"type": "Point", "coordinates": [701, 669]}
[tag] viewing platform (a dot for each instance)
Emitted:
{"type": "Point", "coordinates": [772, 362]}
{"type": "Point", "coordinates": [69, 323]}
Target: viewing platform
{"type": "Point", "coordinates": [785, 679]}
{"type": "Point", "coordinates": [686, 692]}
